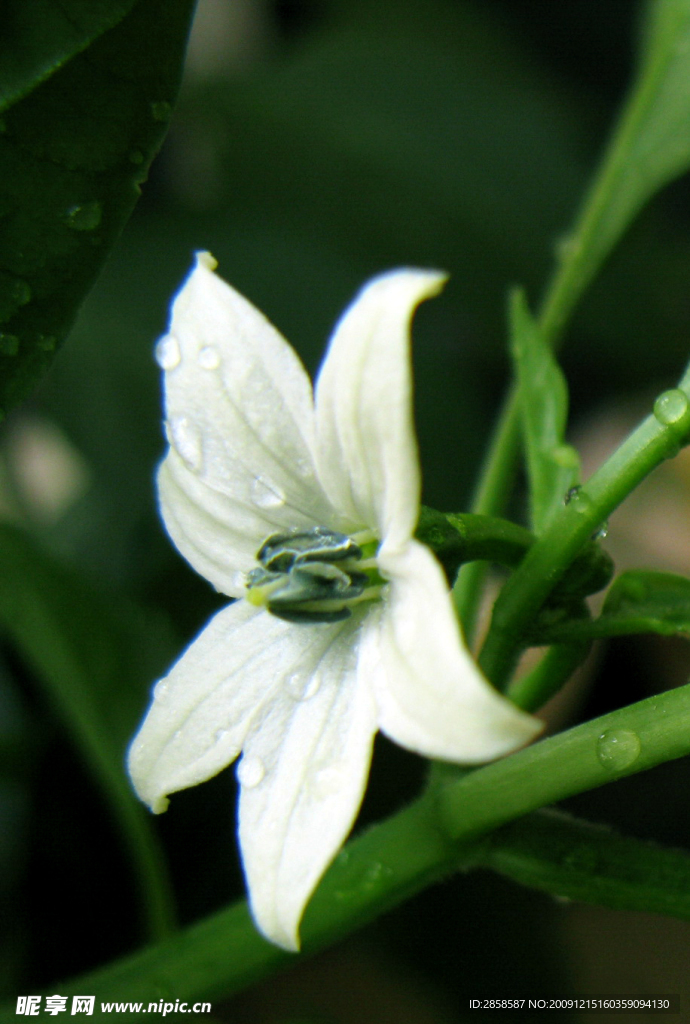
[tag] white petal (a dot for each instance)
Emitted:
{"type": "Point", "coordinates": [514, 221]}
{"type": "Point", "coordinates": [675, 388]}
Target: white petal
{"type": "Point", "coordinates": [203, 709]}
{"type": "Point", "coordinates": [308, 761]}
{"type": "Point", "coordinates": [431, 696]}
{"type": "Point", "coordinates": [367, 451]}
{"type": "Point", "coordinates": [240, 422]}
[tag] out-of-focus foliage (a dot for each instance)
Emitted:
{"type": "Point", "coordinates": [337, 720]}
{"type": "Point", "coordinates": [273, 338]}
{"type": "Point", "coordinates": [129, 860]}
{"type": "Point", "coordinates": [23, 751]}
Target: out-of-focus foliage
{"type": "Point", "coordinates": [85, 95]}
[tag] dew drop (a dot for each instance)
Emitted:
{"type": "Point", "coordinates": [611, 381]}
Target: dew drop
{"type": "Point", "coordinates": [267, 495]}
{"type": "Point", "coordinates": [187, 441]}
{"type": "Point", "coordinates": [579, 499]}
{"type": "Point", "coordinates": [84, 216]}
{"type": "Point", "coordinates": [47, 342]}
{"type": "Point", "coordinates": [167, 352]}
{"type": "Point", "coordinates": [161, 110]}
{"type": "Point", "coordinates": [209, 358]}
{"type": "Point", "coordinates": [602, 531]}
{"type": "Point", "coordinates": [9, 344]}
{"type": "Point", "coordinates": [250, 771]}
{"type": "Point", "coordinates": [136, 156]}
{"type": "Point", "coordinates": [363, 879]}
{"type": "Point", "coordinates": [303, 686]}
{"type": "Point", "coordinates": [618, 749]}
{"type": "Point", "coordinates": [222, 737]}
{"type": "Point", "coordinates": [160, 690]}
{"type": "Point", "coordinates": [671, 409]}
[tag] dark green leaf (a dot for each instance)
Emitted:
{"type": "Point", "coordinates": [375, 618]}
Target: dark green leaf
{"type": "Point", "coordinates": [552, 465]}
{"type": "Point", "coordinates": [73, 153]}
{"type": "Point", "coordinates": [638, 602]}
{"type": "Point", "coordinates": [576, 860]}
{"type": "Point", "coordinates": [95, 659]}
{"type": "Point", "coordinates": [39, 37]}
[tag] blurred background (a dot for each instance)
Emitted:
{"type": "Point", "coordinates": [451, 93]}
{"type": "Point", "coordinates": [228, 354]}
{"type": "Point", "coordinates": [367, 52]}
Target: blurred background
{"type": "Point", "coordinates": [317, 142]}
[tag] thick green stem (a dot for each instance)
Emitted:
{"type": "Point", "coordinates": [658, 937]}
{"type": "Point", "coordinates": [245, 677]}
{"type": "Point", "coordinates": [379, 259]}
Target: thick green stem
{"type": "Point", "coordinates": [624, 742]}
{"type": "Point", "coordinates": [388, 863]}
{"type": "Point", "coordinates": [657, 438]}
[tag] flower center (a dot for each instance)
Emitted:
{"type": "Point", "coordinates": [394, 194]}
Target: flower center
{"type": "Point", "coordinates": [315, 575]}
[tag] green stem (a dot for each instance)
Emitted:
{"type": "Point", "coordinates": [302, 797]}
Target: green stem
{"type": "Point", "coordinates": [398, 857]}
{"type": "Point", "coordinates": [554, 669]}
{"type": "Point", "coordinates": [630, 740]}
{"type": "Point", "coordinates": [657, 438]}
{"type": "Point", "coordinates": [586, 250]}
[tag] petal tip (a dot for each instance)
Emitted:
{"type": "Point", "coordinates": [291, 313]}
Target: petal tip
{"type": "Point", "coordinates": [206, 259]}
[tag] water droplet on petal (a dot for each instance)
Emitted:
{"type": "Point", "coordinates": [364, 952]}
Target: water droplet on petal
{"type": "Point", "coordinates": [267, 495]}
{"type": "Point", "coordinates": [222, 736]}
{"type": "Point", "coordinates": [303, 685]}
{"type": "Point", "coordinates": [250, 771]}
{"type": "Point", "coordinates": [618, 749]}
{"type": "Point", "coordinates": [167, 352]}
{"type": "Point", "coordinates": [186, 439]}
{"type": "Point", "coordinates": [209, 358]}
{"type": "Point", "coordinates": [160, 690]}
{"type": "Point", "coordinates": [84, 216]}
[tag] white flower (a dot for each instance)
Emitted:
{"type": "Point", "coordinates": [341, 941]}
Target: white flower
{"type": "Point", "coordinates": [335, 483]}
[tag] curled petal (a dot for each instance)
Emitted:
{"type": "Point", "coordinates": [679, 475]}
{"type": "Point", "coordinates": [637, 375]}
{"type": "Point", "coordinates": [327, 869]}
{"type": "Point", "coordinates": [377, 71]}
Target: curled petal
{"type": "Point", "coordinates": [240, 422]}
{"type": "Point", "coordinates": [303, 774]}
{"type": "Point", "coordinates": [367, 453]}
{"type": "Point", "coordinates": [431, 696]}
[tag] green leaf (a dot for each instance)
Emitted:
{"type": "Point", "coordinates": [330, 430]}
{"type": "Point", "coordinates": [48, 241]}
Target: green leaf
{"type": "Point", "coordinates": [650, 147]}
{"type": "Point", "coordinates": [639, 601]}
{"type": "Point", "coordinates": [73, 153]}
{"type": "Point", "coordinates": [552, 465]}
{"type": "Point", "coordinates": [41, 36]}
{"type": "Point", "coordinates": [95, 659]}
{"type": "Point", "coordinates": [576, 860]}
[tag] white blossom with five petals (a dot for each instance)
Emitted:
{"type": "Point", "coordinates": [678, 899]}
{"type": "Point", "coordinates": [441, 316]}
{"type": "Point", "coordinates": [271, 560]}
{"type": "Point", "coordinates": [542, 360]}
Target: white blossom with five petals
{"type": "Point", "coordinates": [254, 454]}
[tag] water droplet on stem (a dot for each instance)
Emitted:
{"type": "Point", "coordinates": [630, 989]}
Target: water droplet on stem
{"type": "Point", "coordinates": [617, 749]}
